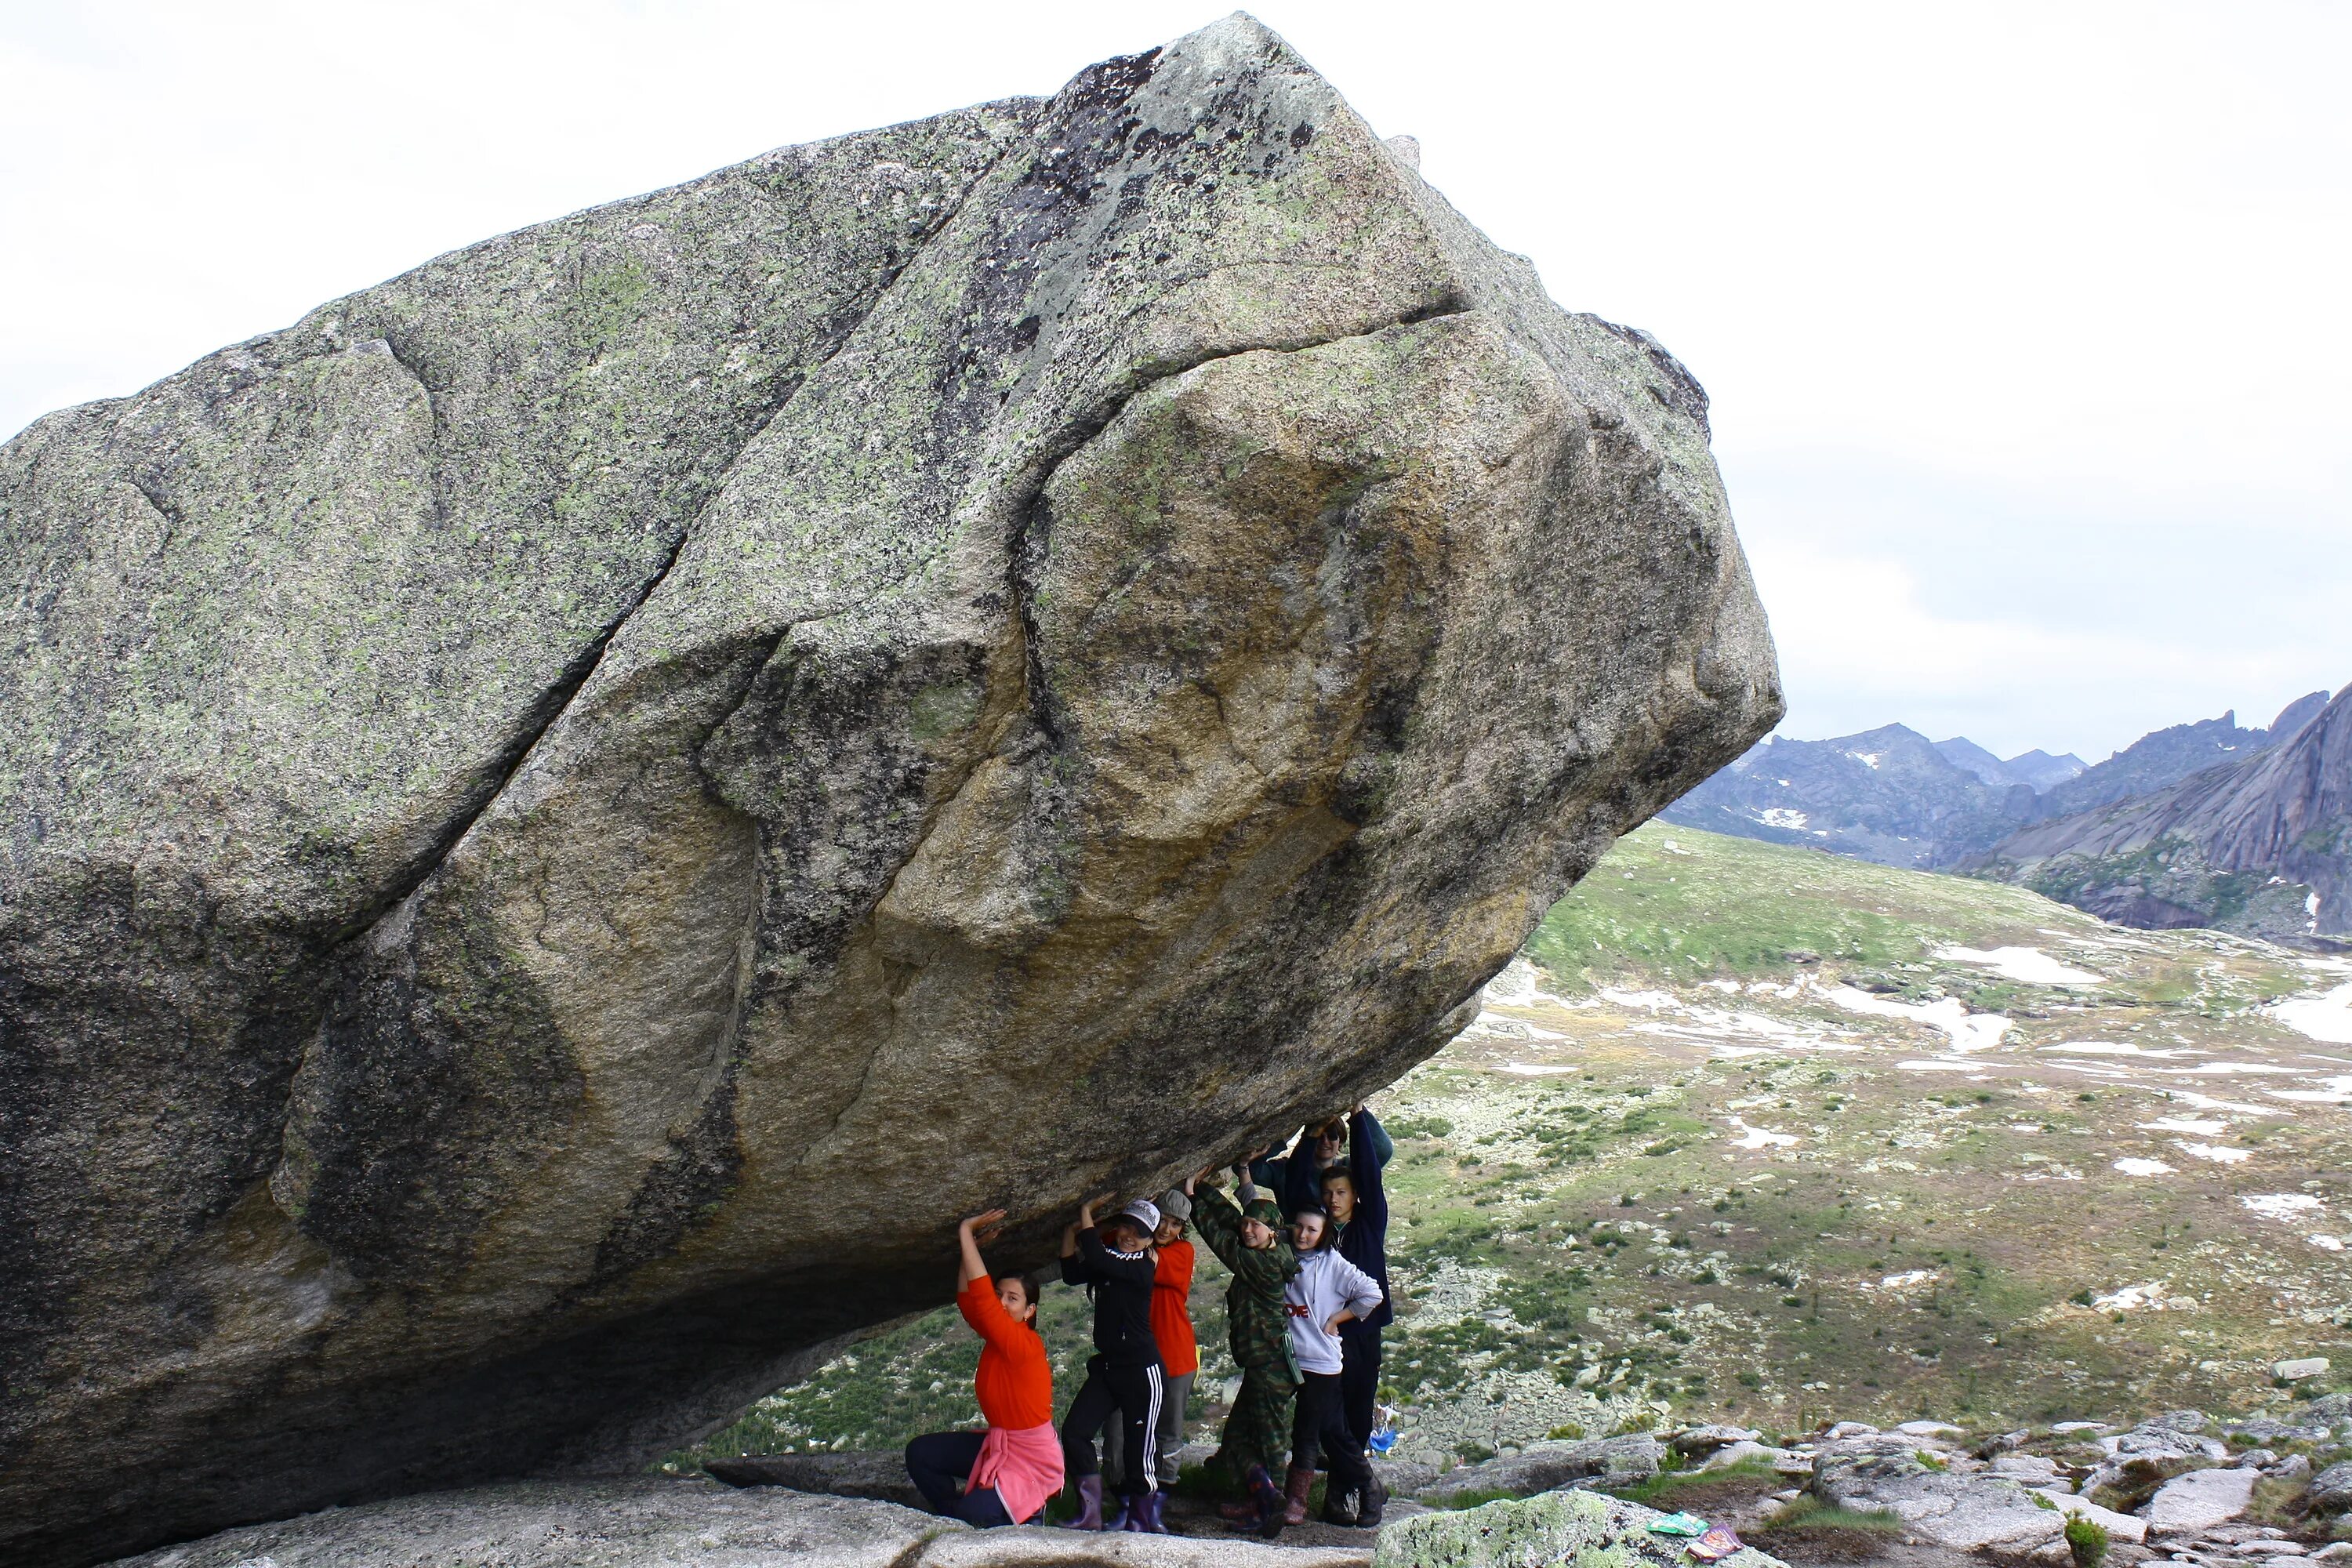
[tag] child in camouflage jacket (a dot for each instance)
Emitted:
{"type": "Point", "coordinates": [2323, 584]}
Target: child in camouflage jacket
{"type": "Point", "coordinates": [1256, 1437]}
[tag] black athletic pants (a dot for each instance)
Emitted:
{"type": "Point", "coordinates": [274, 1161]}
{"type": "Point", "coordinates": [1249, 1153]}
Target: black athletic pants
{"type": "Point", "coordinates": [938, 1463]}
{"type": "Point", "coordinates": [1322, 1424]}
{"type": "Point", "coordinates": [1129, 1394]}
{"type": "Point", "coordinates": [1359, 1383]}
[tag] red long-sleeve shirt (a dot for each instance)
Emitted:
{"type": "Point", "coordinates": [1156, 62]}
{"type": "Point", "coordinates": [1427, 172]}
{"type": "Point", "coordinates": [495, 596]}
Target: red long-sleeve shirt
{"type": "Point", "coordinates": [1016, 1382]}
{"type": "Point", "coordinates": [1171, 1314]}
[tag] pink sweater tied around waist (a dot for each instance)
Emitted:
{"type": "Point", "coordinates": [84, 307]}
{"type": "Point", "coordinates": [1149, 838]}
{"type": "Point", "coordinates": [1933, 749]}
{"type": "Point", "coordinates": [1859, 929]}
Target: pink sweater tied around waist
{"type": "Point", "coordinates": [1023, 1464]}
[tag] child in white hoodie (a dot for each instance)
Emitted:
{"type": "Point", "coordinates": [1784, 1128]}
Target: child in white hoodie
{"type": "Point", "coordinates": [1327, 1291]}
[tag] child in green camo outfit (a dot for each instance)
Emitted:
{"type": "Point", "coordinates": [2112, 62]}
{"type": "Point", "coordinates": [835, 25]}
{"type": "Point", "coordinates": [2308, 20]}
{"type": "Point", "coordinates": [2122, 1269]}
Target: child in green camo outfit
{"type": "Point", "coordinates": [1256, 1437]}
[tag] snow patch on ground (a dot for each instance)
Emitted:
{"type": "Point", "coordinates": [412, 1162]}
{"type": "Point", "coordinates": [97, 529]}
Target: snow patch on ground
{"type": "Point", "coordinates": [2332, 1091]}
{"type": "Point", "coordinates": [2115, 1048]}
{"type": "Point", "coordinates": [2219, 1153]}
{"type": "Point", "coordinates": [2281, 1207]}
{"type": "Point", "coordinates": [1520, 985]}
{"type": "Point", "coordinates": [2189, 1124]}
{"type": "Point", "coordinates": [1760, 1137]}
{"type": "Point", "coordinates": [2132, 1165]}
{"type": "Point", "coordinates": [2134, 1297]}
{"type": "Point", "coordinates": [1910, 1279]}
{"type": "Point", "coordinates": [2323, 1017]}
{"type": "Point", "coordinates": [1781, 817]}
{"type": "Point", "coordinates": [1969, 1031]}
{"type": "Point", "coordinates": [1497, 1027]}
{"type": "Point", "coordinates": [1641, 1000]}
{"type": "Point", "coordinates": [2029, 965]}
{"type": "Point", "coordinates": [2207, 1102]}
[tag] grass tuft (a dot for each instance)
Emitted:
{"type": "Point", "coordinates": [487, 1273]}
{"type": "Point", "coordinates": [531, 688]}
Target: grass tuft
{"type": "Point", "coordinates": [1822, 1533]}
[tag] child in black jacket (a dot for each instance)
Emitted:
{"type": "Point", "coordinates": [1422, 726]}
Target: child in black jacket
{"type": "Point", "coordinates": [1124, 1375]}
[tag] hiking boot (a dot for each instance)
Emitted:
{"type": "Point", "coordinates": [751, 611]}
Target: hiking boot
{"type": "Point", "coordinates": [1338, 1507]}
{"type": "Point", "coordinates": [1376, 1499]}
{"type": "Point", "coordinates": [1089, 1514]}
{"type": "Point", "coordinates": [1302, 1481]}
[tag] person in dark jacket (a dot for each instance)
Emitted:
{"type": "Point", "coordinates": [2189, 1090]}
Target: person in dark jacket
{"type": "Point", "coordinates": [1124, 1378]}
{"type": "Point", "coordinates": [1353, 1195]}
{"type": "Point", "coordinates": [1295, 1178]}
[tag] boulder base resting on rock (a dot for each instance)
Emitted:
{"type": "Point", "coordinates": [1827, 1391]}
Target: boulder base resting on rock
{"type": "Point", "coordinates": [566, 815]}
{"type": "Point", "coordinates": [674, 1524]}
{"type": "Point", "coordinates": [877, 1473]}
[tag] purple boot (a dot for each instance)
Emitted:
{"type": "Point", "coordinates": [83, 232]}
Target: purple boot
{"type": "Point", "coordinates": [1090, 1505]}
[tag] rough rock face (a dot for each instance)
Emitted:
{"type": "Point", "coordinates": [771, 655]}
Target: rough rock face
{"type": "Point", "coordinates": [2263, 847]}
{"type": "Point", "coordinates": [684, 1524]}
{"type": "Point", "coordinates": [1968, 1512]}
{"type": "Point", "coordinates": [567, 814]}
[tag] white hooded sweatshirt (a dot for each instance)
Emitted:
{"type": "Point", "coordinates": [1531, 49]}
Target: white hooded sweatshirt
{"type": "Point", "coordinates": [1325, 1283]}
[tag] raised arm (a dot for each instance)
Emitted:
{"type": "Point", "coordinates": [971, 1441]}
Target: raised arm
{"type": "Point", "coordinates": [1220, 1222]}
{"type": "Point", "coordinates": [1367, 1151]}
{"type": "Point", "coordinates": [970, 1235]}
{"type": "Point", "coordinates": [975, 1293]}
{"type": "Point", "coordinates": [1301, 1182]}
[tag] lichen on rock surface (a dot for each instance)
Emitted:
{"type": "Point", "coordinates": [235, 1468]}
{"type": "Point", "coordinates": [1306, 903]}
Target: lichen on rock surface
{"type": "Point", "coordinates": [567, 814]}
{"type": "Point", "coordinates": [1590, 1529]}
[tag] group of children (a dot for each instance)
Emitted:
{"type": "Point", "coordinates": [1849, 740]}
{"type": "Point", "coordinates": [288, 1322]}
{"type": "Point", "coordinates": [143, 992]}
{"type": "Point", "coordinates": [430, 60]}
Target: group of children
{"type": "Point", "coordinates": [1305, 1238]}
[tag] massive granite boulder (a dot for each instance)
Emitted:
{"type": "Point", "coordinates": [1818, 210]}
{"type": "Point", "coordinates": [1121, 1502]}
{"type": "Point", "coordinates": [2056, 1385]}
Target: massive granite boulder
{"type": "Point", "coordinates": [567, 814]}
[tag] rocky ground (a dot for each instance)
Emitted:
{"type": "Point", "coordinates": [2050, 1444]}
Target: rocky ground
{"type": "Point", "coordinates": [2192, 1490]}
{"type": "Point", "coordinates": [2189, 1488]}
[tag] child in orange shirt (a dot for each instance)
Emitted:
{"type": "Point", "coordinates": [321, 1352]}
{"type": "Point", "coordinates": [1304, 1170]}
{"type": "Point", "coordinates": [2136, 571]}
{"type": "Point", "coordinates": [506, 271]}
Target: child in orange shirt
{"type": "Point", "coordinates": [1172, 1324]}
{"type": "Point", "coordinates": [1008, 1472]}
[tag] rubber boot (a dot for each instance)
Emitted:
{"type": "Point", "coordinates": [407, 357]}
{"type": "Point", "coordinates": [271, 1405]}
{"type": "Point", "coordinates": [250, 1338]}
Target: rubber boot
{"type": "Point", "coordinates": [1376, 1497]}
{"type": "Point", "coordinates": [1143, 1513]}
{"type": "Point", "coordinates": [1268, 1500]}
{"type": "Point", "coordinates": [1114, 1509]}
{"type": "Point", "coordinates": [1089, 1515]}
{"type": "Point", "coordinates": [1302, 1481]}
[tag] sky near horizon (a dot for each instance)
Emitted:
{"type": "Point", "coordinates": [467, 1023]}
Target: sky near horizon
{"type": "Point", "coordinates": [2025, 326]}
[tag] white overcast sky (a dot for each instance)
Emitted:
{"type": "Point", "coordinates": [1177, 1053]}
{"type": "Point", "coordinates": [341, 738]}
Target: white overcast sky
{"type": "Point", "coordinates": [2026, 325]}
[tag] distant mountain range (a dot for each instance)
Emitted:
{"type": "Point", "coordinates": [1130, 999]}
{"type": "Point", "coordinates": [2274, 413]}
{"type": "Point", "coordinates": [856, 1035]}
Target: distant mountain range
{"type": "Point", "coordinates": [2202, 824]}
{"type": "Point", "coordinates": [2037, 771]}
{"type": "Point", "coordinates": [1888, 794]}
{"type": "Point", "coordinates": [2261, 844]}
